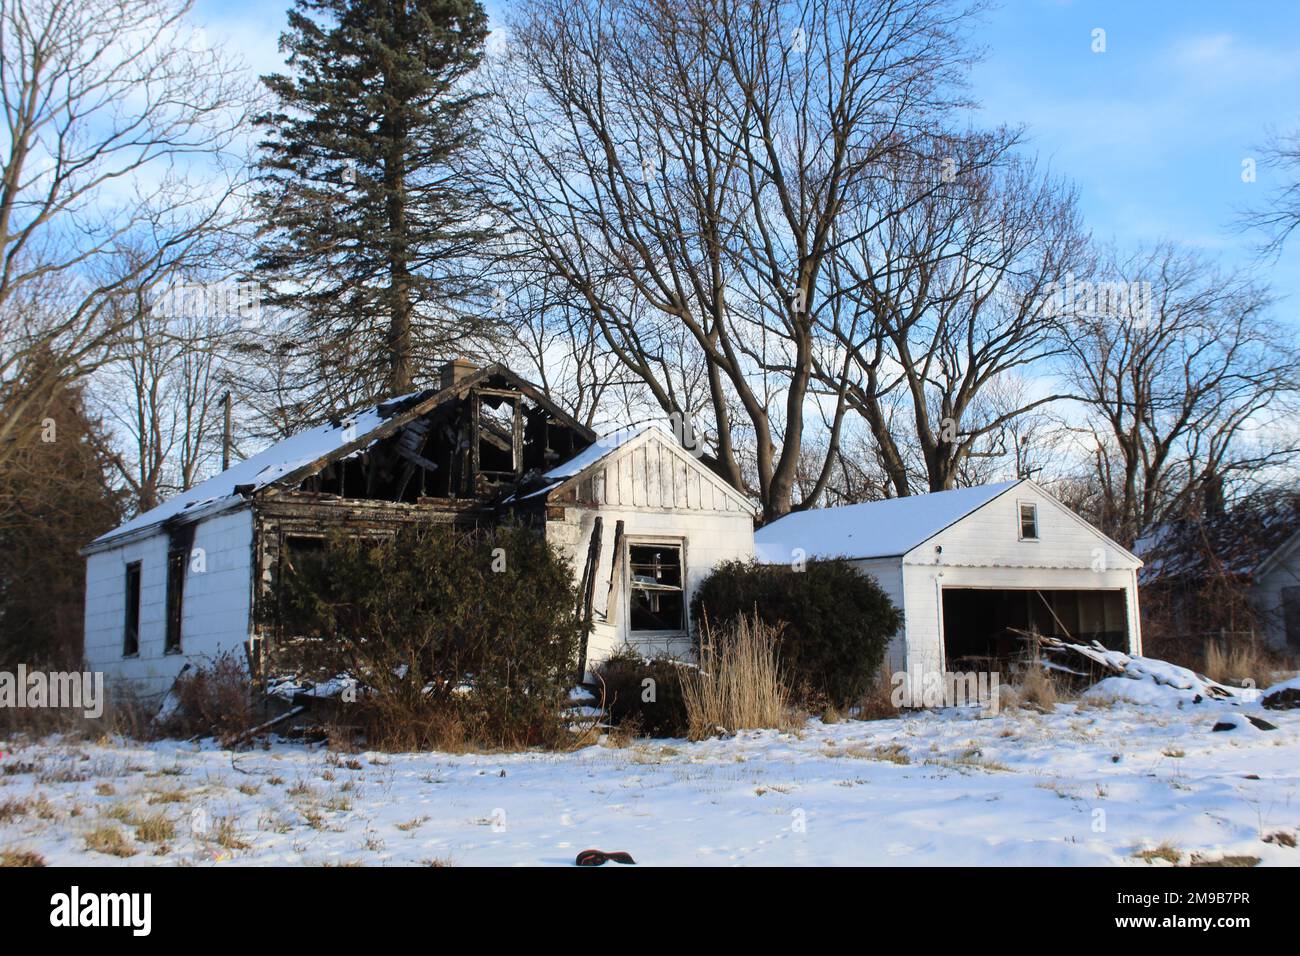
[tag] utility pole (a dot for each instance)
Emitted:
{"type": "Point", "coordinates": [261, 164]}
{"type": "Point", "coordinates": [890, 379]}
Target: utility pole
{"type": "Point", "coordinates": [225, 433]}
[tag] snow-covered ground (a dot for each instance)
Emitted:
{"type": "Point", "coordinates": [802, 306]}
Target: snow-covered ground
{"type": "Point", "coordinates": [1089, 784]}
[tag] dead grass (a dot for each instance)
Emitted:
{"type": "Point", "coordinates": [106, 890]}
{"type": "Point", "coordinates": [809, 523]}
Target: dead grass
{"type": "Point", "coordinates": [1036, 687]}
{"type": "Point", "coordinates": [109, 840]}
{"type": "Point", "coordinates": [1227, 861]}
{"type": "Point", "coordinates": [225, 832]}
{"type": "Point", "coordinates": [157, 797]}
{"type": "Point", "coordinates": [1239, 663]}
{"type": "Point", "coordinates": [878, 702]}
{"type": "Point", "coordinates": [18, 858]}
{"type": "Point", "coordinates": [738, 684]}
{"type": "Point", "coordinates": [1165, 851]}
{"type": "Point", "coordinates": [12, 809]}
{"type": "Point", "coordinates": [155, 827]}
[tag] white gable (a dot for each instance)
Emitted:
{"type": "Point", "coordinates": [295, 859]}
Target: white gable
{"type": "Point", "coordinates": [645, 469]}
{"type": "Point", "coordinates": [990, 537]}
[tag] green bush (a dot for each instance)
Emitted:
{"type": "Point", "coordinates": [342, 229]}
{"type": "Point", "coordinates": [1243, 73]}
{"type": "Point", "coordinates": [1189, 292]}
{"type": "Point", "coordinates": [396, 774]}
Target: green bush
{"type": "Point", "coordinates": [456, 637]}
{"type": "Point", "coordinates": [835, 622]}
{"type": "Point", "coordinates": [655, 710]}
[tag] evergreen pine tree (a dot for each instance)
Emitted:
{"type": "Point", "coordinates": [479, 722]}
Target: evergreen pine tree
{"type": "Point", "coordinates": [371, 233]}
{"type": "Point", "coordinates": [55, 497]}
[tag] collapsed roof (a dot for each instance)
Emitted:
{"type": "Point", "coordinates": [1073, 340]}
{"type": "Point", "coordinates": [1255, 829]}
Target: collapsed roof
{"type": "Point", "coordinates": [1237, 542]}
{"type": "Point", "coordinates": [482, 434]}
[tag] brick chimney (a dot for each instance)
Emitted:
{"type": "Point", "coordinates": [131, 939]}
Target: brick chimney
{"type": "Point", "coordinates": [457, 370]}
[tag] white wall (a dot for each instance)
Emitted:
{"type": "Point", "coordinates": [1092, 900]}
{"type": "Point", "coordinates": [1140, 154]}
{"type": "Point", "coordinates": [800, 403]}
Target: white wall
{"type": "Point", "coordinates": [709, 539]}
{"type": "Point", "coordinates": [216, 602]}
{"type": "Point", "coordinates": [888, 573]}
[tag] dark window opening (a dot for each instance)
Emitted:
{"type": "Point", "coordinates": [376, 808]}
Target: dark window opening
{"type": "Point", "coordinates": [1291, 615]}
{"type": "Point", "coordinates": [175, 599]}
{"type": "Point", "coordinates": [131, 637]}
{"type": "Point", "coordinates": [1028, 522]}
{"type": "Point", "coordinates": [658, 601]}
{"type": "Point", "coordinates": [497, 435]}
{"type": "Point", "coordinates": [983, 626]}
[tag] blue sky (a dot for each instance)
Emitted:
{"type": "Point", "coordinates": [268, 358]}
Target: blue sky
{"type": "Point", "coordinates": [1153, 131]}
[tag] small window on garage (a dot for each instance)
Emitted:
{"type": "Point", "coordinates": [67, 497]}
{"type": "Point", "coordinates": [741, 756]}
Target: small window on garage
{"type": "Point", "coordinates": [658, 600]}
{"type": "Point", "coordinates": [1028, 521]}
{"type": "Point", "coordinates": [131, 635]}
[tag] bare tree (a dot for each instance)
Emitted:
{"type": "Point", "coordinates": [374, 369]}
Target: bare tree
{"type": "Point", "coordinates": [1189, 385]}
{"type": "Point", "coordinates": [120, 126]}
{"type": "Point", "coordinates": [940, 310]}
{"type": "Point", "coordinates": [687, 169]}
{"type": "Point", "coordinates": [1280, 216]}
{"type": "Point", "coordinates": [162, 388]}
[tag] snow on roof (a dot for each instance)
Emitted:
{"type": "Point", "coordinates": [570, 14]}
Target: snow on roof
{"type": "Point", "coordinates": [605, 445]}
{"type": "Point", "coordinates": [874, 529]}
{"type": "Point", "coordinates": [602, 447]}
{"type": "Point", "coordinates": [260, 470]}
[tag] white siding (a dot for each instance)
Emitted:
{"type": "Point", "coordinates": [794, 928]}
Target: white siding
{"type": "Point", "coordinates": [216, 602]}
{"type": "Point", "coordinates": [651, 473]}
{"type": "Point", "coordinates": [888, 573]}
{"type": "Point", "coordinates": [658, 492]}
{"type": "Point", "coordinates": [989, 537]}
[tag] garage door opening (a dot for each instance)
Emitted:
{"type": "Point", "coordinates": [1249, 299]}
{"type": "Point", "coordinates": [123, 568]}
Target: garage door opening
{"type": "Point", "coordinates": [983, 626]}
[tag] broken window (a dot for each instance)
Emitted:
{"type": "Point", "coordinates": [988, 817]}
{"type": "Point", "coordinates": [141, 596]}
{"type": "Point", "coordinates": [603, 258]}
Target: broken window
{"type": "Point", "coordinates": [175, 599]}
{"type": "Point", "coordinates": [658, 600]}
{"type": "Point", "coordinates": [1028, 521]}
{"type": "Point", "coordinates": [498, 433]}
{"type": "Point", "coordinates": [131, 637]}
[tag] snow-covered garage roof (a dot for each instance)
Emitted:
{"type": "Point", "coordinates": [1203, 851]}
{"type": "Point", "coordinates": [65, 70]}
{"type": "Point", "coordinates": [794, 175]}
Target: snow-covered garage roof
{"type": "Point", "coordinates": [874, 529]}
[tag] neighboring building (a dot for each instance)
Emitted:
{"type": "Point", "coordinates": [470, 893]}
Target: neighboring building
{"type": "Point", "coordinates": [972, 569]}
{"type": "Point", "coordinates": [1234, 574]}
{"type": "Point", "coordinates": [642, 520]}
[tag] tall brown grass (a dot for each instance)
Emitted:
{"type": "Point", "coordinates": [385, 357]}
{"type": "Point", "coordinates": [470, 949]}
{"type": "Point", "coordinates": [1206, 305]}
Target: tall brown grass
{"type": "Point", "coordinates": [738, 684]}
{"type": "Point", "coordinates": [1241, 661]}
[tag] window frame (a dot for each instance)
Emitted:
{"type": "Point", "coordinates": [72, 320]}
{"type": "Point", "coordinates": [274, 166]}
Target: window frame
{"type": "Point", "coordinates": [175, 606]}
{"type": "Point", "coordinates": [516, 433]}
{"type": "Point", "coordinates": [642, 541]}
{"type": "Point", "coordinates": [1020, 521]}
{"type": "Point", "coordinates": [131, 614]}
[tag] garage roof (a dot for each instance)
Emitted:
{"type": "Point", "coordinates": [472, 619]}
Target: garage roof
{"type": "Point", "coordinates": [874, 529]}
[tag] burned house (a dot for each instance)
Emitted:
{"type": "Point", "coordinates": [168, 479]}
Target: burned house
{"type": "Point", "coordinates": [641, 519]}
{"type": "Point", "coordinates": [1230, 575]}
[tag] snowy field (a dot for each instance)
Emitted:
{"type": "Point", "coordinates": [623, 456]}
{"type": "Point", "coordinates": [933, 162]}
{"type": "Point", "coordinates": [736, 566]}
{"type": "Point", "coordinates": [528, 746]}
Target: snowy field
{"type": "Point", "coordinates": [1095, 783]}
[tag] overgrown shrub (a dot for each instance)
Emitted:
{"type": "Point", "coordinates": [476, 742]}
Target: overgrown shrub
{"type": "Point", "coordinates": [738, 684]}
{"type": "Point", "coordinates": [458, 638]}
{"type": "Point", "coordinates": [214, 698]}
{"type": "Point", "coordinates": [835, 622]}
{"type": "Point", "coordinates": [655, 709]}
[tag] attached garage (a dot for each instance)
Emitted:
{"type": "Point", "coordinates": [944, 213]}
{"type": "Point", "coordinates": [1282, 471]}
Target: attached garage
{"type": "Point", "coordinates": [974, 568]}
